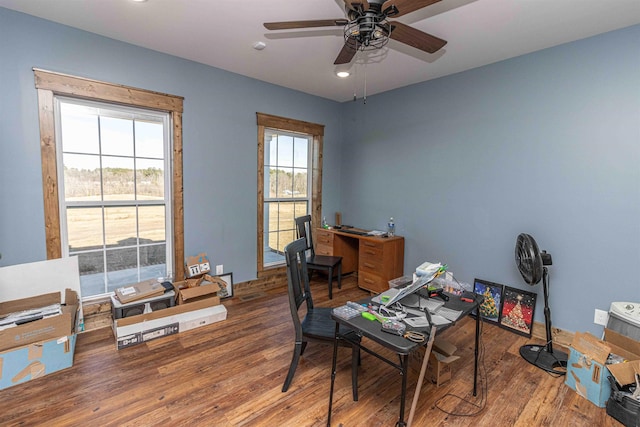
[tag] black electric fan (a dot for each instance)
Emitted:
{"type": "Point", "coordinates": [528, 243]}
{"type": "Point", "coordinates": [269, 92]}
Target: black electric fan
{"type": "Point", "coordinates": [532, 264]}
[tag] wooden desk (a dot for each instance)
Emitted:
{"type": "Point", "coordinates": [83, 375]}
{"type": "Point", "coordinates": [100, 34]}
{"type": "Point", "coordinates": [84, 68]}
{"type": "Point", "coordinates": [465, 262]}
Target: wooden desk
{"type": "Point", "coordinates": [376, 259]}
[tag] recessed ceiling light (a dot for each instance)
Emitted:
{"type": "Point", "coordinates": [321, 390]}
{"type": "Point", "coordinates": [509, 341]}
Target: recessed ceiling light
{"type": "Point", "coordinates": [342, 74]}
{"type": "Point", "coordinates": [139, 1]}
{"type": "Point", "coordinates": [259, 45]}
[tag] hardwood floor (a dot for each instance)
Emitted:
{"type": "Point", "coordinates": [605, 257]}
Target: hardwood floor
{"type": "Point", "coordinates": [231, 374]}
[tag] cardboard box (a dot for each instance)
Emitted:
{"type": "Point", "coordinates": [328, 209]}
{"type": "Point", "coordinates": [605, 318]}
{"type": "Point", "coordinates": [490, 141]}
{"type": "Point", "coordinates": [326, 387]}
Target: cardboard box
{"type": "Point", "coordinates": [130, 331]}
{"type": "Point", "coordinates": [440, 359]}
{"type": "Point", "coordinates": [197, 265]}
{"type": "Point", "coordinates": [587, 368]}
{"type": "Point", "coordinates": [142, 290]}
{"type": "Point", "coordinates": [22, 364]}
{"type": "Point", "coordinates": [26, 280]}
{"type": "Point", "coordinates": [40, 347]}
{"type": "Point", "coordinates": [43, 329]}
{"type": "Point", "coordinates": [208, 288]}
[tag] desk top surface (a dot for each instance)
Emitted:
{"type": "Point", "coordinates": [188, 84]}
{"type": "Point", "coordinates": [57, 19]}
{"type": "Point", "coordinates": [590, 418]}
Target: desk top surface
{"type": "Point", "coordinates": [373, 329]}
{"type": "Point", "coordinates": [358, 233]}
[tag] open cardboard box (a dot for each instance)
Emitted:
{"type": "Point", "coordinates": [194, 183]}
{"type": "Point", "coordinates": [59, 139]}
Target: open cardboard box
{"type": "Point", "coordinates": [40, 347]}
{"type": "Point", "coordinates": [440, 359]}
{"type": "Point", "coordinates": [207, 287]}
{"type": "Point", "coordinates": [587, 370]}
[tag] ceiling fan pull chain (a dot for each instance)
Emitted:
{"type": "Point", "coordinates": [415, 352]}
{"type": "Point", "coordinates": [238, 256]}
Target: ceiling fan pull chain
{"type": "Point", "coordinates": [365, 83]}
{"type": "Point", "coordinates": [355, 83]}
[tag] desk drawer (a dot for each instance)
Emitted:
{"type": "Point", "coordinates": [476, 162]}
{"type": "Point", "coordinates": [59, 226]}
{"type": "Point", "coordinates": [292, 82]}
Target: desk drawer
{"type": "Point", "coordinates": [324, 237]}
{"type": "Point", "coordinates": [372, 282]}
{"type": "Point", "coordinates": [372, 252]}
{"type": "Point", "coordinates": [324, 242]}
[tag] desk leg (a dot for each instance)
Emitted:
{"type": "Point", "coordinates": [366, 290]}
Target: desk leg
{"type": "Point", "coordinates": [405, 368]}
{"type": "Point", "coordinates": [333, 371]}
{"type": "Point", "coordinates": [475, 364]}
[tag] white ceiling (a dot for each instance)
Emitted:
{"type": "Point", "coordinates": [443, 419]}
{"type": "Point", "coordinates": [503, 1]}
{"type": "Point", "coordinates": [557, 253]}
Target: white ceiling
{"type": "Point", "coordinates": [221, 33]}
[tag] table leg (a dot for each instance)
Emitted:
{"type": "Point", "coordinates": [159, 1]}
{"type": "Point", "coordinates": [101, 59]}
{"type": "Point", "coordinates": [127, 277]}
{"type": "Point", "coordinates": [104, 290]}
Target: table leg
{"type": "Point", "coordinates": [475, 364]}
{"type": "Point", "coordinates": [405, 368]}
{"type": "Point", "coordinates": [333, 371]}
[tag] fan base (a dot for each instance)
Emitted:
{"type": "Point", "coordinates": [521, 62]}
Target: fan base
{"type": "Point", "coordinates": [538, 355]}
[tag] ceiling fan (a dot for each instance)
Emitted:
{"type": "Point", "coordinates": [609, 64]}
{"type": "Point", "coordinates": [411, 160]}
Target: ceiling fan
{"type": "Point", "coordinates": [367, 26]}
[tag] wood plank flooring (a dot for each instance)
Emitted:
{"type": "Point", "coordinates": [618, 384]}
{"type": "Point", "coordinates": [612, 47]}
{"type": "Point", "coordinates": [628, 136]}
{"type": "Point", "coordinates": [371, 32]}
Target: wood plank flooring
{"type": "Point", "coordinates": [231, 374]}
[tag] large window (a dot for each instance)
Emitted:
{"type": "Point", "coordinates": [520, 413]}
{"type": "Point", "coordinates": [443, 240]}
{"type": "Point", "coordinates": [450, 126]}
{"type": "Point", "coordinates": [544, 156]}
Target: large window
{"type": "Point", "coordinates": [112, 179]}
{"type": "Point", "coordinates": [115, 192]}
{"type": "Point", "coordinates": [289, 182]}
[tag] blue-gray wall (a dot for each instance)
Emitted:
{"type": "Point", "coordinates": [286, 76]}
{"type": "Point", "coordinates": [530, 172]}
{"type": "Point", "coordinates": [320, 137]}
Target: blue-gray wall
{"type": "Point", "coordinates": [547, 143]}
{"type": "Point", "coordinates": [219, 136]}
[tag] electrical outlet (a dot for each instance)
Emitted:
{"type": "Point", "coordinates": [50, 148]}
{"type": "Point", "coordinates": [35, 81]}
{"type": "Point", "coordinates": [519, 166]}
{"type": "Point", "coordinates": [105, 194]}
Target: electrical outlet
{"type": "Point", "coordinates": [219, 269]}
{"type": "Point", "coordinates": [600, 317]}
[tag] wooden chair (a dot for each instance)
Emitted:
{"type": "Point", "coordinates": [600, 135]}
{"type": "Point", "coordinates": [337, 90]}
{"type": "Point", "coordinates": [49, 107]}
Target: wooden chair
{"type": "Point", "coordinates": [317, 324]}
{"type": "Point", "coordinates": [330, 264]}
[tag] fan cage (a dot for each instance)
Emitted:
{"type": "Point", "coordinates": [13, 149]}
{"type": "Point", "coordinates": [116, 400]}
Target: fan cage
{"type": "Point", "coordinates": [367, 34]}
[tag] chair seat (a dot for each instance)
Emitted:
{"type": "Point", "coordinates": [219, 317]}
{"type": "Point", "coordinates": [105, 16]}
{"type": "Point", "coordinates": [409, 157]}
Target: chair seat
{"type": "Point", "coordinates": [326, 261]}
{"type": "Point", "coordinates": [318, 324]}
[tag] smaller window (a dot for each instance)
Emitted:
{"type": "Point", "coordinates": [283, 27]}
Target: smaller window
{"type": "Point", "coordinates": [287, 180]}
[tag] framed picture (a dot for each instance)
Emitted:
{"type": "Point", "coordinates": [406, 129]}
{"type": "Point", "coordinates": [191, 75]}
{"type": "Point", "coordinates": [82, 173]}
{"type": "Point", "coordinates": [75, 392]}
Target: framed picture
{"type": "Point", "coordinates": [492, 293]}
{"type": "Point", "coordinates": [518, 307]}
{"type": "Point", "coordinates": [228, 291]}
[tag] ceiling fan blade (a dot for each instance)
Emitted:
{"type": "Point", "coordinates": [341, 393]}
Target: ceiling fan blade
{"type": "Point", "coordinates": [416, 38]}
{"type": "Point", "coordinates": [356, 5]}
{"type": "Point", "coordinates": [407, 6]}
{"type": "Point", "coordinates": [289, 25]}
{"type": "Point", "coordinates": [347, 53]}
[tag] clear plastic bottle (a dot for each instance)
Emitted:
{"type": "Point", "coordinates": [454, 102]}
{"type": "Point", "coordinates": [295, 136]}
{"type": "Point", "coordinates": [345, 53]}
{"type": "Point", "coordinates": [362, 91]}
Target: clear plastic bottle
{"type": "Point", "coordinates": [391, 228]}
{"type": "Point", "coordinates": [324, 222]}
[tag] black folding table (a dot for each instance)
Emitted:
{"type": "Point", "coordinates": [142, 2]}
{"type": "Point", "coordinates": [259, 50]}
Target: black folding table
{"type": "Point", "coordinates": [402, 346]}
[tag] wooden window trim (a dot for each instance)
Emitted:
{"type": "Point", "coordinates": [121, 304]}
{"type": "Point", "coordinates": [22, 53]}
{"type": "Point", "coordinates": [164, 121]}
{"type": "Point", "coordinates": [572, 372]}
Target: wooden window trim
{"type": "Point", "coordinates": [50, 84]}
{"type": "Point", "coordinates": [296, 126]}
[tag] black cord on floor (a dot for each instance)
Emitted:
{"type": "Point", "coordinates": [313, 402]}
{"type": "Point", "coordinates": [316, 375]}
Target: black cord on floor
{"type": "Point", "coordinates": [483, 387]}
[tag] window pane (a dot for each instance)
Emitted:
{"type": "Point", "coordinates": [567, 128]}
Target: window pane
{"type": "Point", "coordinates": [153, 260]}
{"type": "Point", "coordinates": [81, 177]}
{"type": "Point", "coordinates": [150, 179]}
{"type": "Point", "coordinates": [149, 139]}
{"type": "Point", "coordinates": [117, 178]}
{"type": "Point", "coordinates": [120, 226]}
{"type": "Point", "coordinates": [271, 182]}
{"type": "Point", "coordinates": [151, 224]}
{"type": "Point", "coordinates": [300, 209]}
{"type": "Point", "coordinates": [300, 182]}
{"type": "Point", "coordinates": [122, 267]}
{"type": "Point", "coordinates": [116, 136]}
{"type": "Point", "coordinates": [84, 228]}
{"type": "Point", "coordinates": [285, 151]}
{"type": "Point", "coordinates": [286, 216]}
{"type": "Point", "coordinates": [270, 147]}
{"type": "Point", "coordinates": [79, 129]}
{"type": "Point", "coordinates": [271, 210]}
{"type": "Point", "coordinates": [91, 266]}
{"type": "Point", "coordinates": [285, 182]}
{"type": "Point", "coordinates": [300, 153]}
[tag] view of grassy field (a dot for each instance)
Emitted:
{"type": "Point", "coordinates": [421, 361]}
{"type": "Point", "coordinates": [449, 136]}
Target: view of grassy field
{"type": "Point", "coordinates": [282, 224]}
{"type": "Point", "coordinates": [85, 224]}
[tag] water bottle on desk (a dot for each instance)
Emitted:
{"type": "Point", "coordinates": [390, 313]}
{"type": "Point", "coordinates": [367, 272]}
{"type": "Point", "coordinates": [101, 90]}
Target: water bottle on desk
{"type": "Point", "coordinates": [391, 228]}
